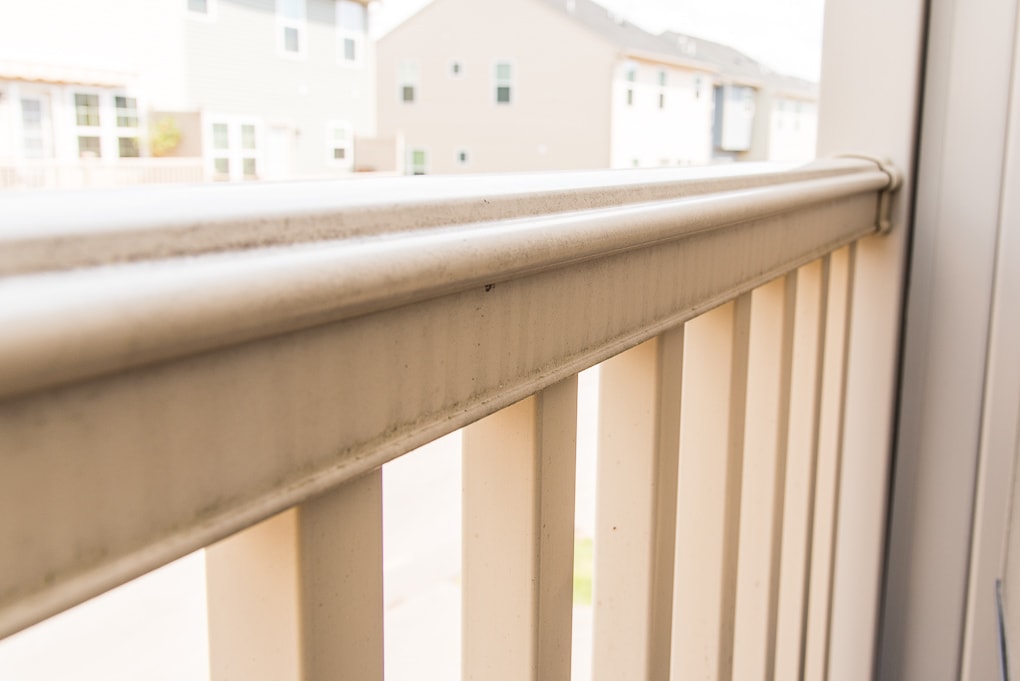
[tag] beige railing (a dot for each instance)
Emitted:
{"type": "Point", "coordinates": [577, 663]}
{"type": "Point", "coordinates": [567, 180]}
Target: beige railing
{"type": "Point", "coordinates": [97, 174]}
{"type": "Point", "coordinates": [181, 363]}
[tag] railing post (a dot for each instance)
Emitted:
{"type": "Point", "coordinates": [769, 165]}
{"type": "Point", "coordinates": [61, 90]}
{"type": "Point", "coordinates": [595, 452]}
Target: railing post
{"type": "Point", "coordinates": [299, 596]}
{"type": "Point", "coordinates": [519, 468]}
{"type": "Point", "coordinates": [639, 426]}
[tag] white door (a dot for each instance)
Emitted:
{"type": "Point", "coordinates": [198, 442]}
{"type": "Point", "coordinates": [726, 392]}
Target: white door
{"type": "Point", "coordinates": [279, 154]}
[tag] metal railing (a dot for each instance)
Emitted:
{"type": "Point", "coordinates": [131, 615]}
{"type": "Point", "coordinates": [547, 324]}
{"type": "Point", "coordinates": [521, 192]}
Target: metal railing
{"type": "Point", "coordinates": [185, 362]}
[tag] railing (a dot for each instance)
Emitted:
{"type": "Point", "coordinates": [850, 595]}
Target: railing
{"type": "Point", "coordinates": [182, 363]}
{"type": "Point", "coordinates": [96, 174]}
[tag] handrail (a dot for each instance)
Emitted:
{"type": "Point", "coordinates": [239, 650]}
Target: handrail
{"type": "Point", "coordinates": [169, 380]}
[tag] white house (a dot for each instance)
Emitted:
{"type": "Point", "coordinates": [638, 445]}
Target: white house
{"type": "Point", "coordinates": [256, 89]}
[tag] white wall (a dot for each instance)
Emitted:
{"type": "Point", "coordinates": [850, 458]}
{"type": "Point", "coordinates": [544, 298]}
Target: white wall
{"type": "Point", "coordinates": [678, 133]}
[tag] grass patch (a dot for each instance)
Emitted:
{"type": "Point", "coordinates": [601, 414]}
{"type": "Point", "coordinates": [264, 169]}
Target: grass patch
{"type": "Point", "coordinates": [583, 567]}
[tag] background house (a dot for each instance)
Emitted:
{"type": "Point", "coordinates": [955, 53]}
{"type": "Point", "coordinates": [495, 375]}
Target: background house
{"type": "Point", "coordinates": [242, 89]}
{"type": "Point", "coordinates": [585, 90]}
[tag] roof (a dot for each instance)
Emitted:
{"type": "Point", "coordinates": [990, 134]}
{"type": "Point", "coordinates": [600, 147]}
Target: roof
{"type": "Point", "coordinates": [673, 47]}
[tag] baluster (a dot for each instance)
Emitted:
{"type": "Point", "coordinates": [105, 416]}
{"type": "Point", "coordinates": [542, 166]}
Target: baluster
{"type": "Point", "coordinates": [708, 517]}
{"type": "Point", "coordinates": [830, 436]}
{"type": "Point", "coordinates": [519, 467]}
{"type": "Point", "coordinates": [770, 357]}
{"type": "Point", "coordinates": [299, 596]}
{"type": "Point", "coordinates": [639, 425]}
{"type": "Point", "coordinates": [799, 493]}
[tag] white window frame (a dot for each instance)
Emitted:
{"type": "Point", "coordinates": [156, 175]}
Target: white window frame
{"type": "Point", "coordinates": [127, 131]}
{"type": "Point", "coordinates": [107, 142]}
{"type": "Point", "coordinates": [344, 34]}
{"type": "Point", "coordinates": [408, 74]}
{"type": "Point", "coordinates": [13, 97]}
{"type": "Point", "coordinates": [331, 145]}
{"type": "Point", "coordinates": [300, 25]}
{"type": "Point", "coordinates": [510, 82]}
{"type": "Point", "coordinates": [410, 160]}
{"type": "Point", "coordinates": [208, 15]}
{"type": "Point", "coordinates": [235, 153]}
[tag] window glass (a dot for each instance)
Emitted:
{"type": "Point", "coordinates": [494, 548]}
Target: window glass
{"type": "Point", "coordinates": [127, 147]}
{"type": "Point", "coordinates": [86, 109]}
{"type": "Point", "coordinates": [199, 6]}
{"type": "Point", "coordinates": [221, 139]}
{"type": "Point", "coordinates": [503, 83]}
{"type": "Point", "coordinates": [291, 40]}
{"type": "Point", "coordinates": [248, 166]}
{"type": "Point", "coordinates": [127, 112]}
{"type": "Point", "coordinates": [89, 147]}
{"type": "Point", "coordinates": [247, 136]}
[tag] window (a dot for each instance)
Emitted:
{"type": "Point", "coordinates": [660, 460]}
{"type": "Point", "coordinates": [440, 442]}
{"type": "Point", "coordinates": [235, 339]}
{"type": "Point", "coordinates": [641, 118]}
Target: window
{"type": "Point", "coordinates": [339, 137]}
{"type": "Point", "coordinates": [350, 22]}
{"type": "Point", "coordinates": [697, 87]}
{"type": "Point", "coordinates": [33, 130]}
{"type": "Point", "coordinates": [86, 109]}
{"type": "Point", "coordinates": [221, 150]}
{"type": "Point", "coordinates": [126, 109]}
{"type": "Point", "coordinates": [88, 147]}
{"type": "Point", "coordinates": [87, 121]}
{"type": "Point", "coordinates": [662, 100]}
{"type": "Point", "coordinates": [249, 148]}
{"type": "Point", "coordinates": [235, 150]}
{"type": "Point", "coordinates": [504, 82]}
{"type": "Point", "coordinates": [456, 69]}
{"type": "Point", "coordinates": [462, 157]}
{"type": "Point", "coordinates": [419, 162]}
{"type": "Point", "coordinates": [202, 9]}
{"type": "Point", "coordinates": [407, 83]}
{"type": "Point", "coordinates": [291, 34]}
{"type": "Point", "coordinates": [662, 79]}
{"type": "Point", "coordinates": [630, 97]}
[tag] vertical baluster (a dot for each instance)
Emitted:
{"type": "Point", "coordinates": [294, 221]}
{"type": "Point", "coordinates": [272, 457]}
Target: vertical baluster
{"type": "Point", "coordinates": [799, 493]}
{"type": "Point", "coordinates": [761, 524]}
{"type": "Point", "coordinates": [708, 517]}
{"type": "Point", "coordinates": [519, 467]}
{"type": "Point", "coordinates": [299, 596]}
{"type": "Point", "coordinates": [830, 436]}
{"type": "Point", "coordinates": [639, 425]}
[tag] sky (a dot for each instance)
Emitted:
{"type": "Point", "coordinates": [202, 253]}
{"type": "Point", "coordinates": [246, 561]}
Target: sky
{"type": "Point", "coordinates": [785, 35]}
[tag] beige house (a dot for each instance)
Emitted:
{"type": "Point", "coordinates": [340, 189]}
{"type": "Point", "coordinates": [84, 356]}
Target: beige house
{"type": "Point", "coordinates": [584, 89]}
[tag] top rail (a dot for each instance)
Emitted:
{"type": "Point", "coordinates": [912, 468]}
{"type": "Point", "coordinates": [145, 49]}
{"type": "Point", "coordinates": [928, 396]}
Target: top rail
{"type": "Point", "coordinates": [179, 363]}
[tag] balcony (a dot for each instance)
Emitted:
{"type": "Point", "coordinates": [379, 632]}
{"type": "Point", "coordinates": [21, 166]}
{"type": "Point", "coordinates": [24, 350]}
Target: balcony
{"type": "Point", "coordinates": [165, 388]}
{"type": "Point", "coordinates": [230, 366]}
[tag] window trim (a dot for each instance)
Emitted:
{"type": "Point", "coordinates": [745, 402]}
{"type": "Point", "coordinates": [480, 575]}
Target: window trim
{"type": "Point", "coordinates": [414, 69]}
{"type": "Point", "coordinates": [510, 83]}
{"type": "Point", "coordinates": [235, 153]}
{"type": "Point", "coordinates": [409, 169]}
{"type": "Point", "coordinates": [300, 25]}
{"type": "Point", "coordinates": [331, 146]}
{"type": "Point", "coordinates": [343, 34]}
